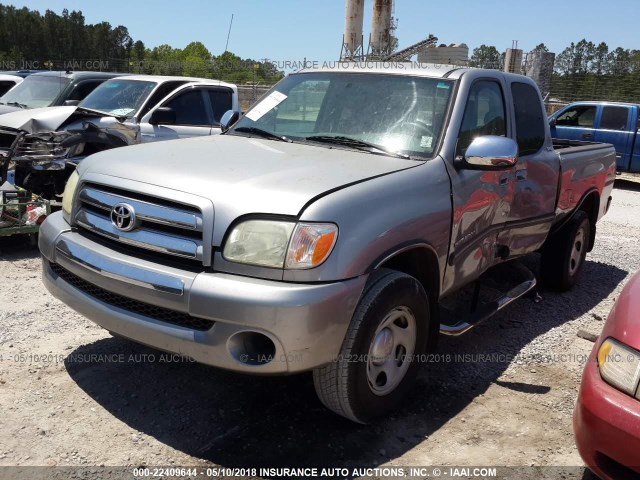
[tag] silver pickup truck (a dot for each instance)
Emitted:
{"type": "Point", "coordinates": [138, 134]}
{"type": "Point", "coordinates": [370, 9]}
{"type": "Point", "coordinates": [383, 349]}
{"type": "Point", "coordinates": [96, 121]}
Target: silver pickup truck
{"type": "Point", "coordinates": [324, 230]}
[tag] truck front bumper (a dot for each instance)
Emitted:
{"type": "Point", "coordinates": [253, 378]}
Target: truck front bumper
{"type": "Point", "coordinates": [228, 321]}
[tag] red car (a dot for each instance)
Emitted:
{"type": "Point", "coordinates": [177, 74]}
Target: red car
{"type": "Point", "coordinates": [607, 416]}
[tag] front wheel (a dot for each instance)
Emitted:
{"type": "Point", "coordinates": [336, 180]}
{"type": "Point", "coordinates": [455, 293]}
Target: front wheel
{"type": "Point", "coordinates": [380, 355]}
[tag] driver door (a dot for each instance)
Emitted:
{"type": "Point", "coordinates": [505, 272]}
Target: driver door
{"type": "Point", "coordinates": [481, 199]}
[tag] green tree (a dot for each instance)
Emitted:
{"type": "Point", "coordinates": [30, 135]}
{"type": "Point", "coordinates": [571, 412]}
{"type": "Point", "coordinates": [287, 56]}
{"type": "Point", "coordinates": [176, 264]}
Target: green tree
{"type": "Point", "coordinates": [197, 60]}
{"type": "Point", "coordinates": [540, 48]}
{"type": "Point", "coordinates": [485, 56]}
{"type": "Point", "coordinates": [601, 59]}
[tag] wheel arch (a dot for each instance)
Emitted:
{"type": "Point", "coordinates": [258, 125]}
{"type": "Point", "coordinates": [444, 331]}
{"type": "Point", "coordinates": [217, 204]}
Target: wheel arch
{"type": "Point", "coordinates": [590, 204]}
{"type": "Point", "coordinates": [421, 262]}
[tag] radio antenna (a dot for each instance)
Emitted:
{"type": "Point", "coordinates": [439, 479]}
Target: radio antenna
{"type": "Point", "coordinates": [229, 34]}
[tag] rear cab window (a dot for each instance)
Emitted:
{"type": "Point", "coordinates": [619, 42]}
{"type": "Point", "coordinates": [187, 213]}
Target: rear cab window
{"type": "Point", "coordinates": [614, 118]}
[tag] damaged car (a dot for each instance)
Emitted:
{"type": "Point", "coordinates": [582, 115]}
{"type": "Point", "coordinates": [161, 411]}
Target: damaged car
{"type": "Point", "coordinates": [52, 89]}
{"type": "Point", "coordinates": [122, 111]}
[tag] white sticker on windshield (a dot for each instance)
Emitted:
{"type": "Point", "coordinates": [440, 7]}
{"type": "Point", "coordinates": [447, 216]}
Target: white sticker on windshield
{"type": "Point", "coordinates": [274, 99]}
{"type": "Point", "coordinates": [426, 141]}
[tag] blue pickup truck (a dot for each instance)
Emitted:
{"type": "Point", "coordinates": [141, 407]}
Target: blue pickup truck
{"type": "Point", "coordinates": [603, 122]}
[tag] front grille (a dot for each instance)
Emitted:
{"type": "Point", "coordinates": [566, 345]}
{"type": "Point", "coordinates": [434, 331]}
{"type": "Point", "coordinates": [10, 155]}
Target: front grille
{"type": "Point", "coordinates": [146, 310]}
{"type": "Point", "coordinates": [161, 226]}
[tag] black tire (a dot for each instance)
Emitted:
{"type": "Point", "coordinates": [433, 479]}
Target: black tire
{"type": "Point", "coordinates": [564, 254]}
{"type": "Point", "coordinates": [32, 241]}
{"type": "Point", "coordinates": [344, 385]}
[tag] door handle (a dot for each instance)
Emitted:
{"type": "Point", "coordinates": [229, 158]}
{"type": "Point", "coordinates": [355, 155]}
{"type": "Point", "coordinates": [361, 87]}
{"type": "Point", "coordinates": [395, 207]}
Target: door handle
{"type": "Point", "coordinates": [521, 175]}
{"type": "Point", "coordinates": [587, 135]}
{"type": "Point", "coordinates": [504, 179]}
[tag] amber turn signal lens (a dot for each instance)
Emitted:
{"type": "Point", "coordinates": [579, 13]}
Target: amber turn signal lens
{"type": "Point", "coordinates": [311, 244]}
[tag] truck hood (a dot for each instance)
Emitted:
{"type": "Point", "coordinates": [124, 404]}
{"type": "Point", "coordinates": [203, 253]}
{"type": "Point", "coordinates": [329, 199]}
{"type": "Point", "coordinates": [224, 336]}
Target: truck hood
{"type": "Point", "coordinates": [37, 120]}
{"type": "Point", "coordinates": [243, 175]}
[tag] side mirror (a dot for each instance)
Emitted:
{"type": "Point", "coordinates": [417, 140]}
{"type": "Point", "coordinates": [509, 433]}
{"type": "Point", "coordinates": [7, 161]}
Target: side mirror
{"type": "Point", "coordinates": [71, 103]}
{"type": "Point", "coordinates": [228, 119]}
{"type": "Point", "coordinates": [163, 116]}
{"type": "Point", "coordinates": [552, 122]}
{"type": "Point", "coordinates": [489, 152]}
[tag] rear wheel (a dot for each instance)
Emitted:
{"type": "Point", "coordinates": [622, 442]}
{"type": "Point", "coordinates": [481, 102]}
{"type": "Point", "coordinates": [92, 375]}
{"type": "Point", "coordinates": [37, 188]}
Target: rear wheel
{"type": "Point", "coordinates": [564, 254]}
{"type": "Point", "coordinates": [379, 357]}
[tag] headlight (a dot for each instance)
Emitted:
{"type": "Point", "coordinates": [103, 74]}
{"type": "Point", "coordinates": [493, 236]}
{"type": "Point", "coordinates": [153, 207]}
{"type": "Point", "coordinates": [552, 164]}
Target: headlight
{"type": "Point", "coordinates": [67, 196]}
{"type": "Point", "coordinates": [42, 146]}
{"type": "Point", "coordinates": [259, 242]}
{"type": "Point", "coordinates": [279, 244]}
{"type": "Point", "coordinates": [620, 366]}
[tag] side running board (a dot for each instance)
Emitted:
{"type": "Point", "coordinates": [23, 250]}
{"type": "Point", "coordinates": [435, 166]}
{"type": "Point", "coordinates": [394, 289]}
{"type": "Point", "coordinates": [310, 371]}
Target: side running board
{"type": "Point", "coordinates": [487, 310]}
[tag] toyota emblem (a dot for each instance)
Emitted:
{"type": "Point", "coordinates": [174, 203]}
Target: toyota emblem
{"type": "Point", "coordinates": [123, 217]}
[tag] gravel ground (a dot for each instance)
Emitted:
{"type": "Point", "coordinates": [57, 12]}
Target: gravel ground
{"type": "Point", "coordinates": [99, 400]}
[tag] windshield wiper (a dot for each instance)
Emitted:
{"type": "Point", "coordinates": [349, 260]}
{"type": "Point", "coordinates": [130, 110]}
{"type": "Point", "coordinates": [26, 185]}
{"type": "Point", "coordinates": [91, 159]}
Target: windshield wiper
{"type": "Point", "coordinates": [355, 143]}
{"type": "Point", "coordinates": [16, 104]}
{"type": "Point", "coordinates": [262, 133]}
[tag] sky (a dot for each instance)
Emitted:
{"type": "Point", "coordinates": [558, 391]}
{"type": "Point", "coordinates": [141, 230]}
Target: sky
{"type": "Point", "coordinates": [291, 30]}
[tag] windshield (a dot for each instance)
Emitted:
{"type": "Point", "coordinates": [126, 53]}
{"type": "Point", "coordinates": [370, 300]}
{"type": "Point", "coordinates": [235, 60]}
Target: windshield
{"type": "Point", "coordinates": [36, 91]}
{"type": "Point", "coordinates": [122, 98]}
{"type": "Point", "coordinates": [398, 113]}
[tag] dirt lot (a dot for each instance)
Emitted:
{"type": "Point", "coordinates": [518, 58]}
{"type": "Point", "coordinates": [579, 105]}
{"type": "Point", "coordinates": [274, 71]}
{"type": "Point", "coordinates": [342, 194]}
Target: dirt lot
{"type": "Point", "coordinates": [107, 401]}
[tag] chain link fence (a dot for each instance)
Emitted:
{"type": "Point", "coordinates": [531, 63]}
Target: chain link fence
{"type": "Point", "coordinates": [559, 83]}
{"type": "Point", "coordinates": [252, 78]}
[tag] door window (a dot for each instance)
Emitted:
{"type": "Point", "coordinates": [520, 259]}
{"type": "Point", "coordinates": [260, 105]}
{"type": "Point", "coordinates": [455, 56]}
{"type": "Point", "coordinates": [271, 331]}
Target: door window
{"type": "Point", "coordinates": [614, 118]}
{"type": "Point", "coordinates": [190, 108]}
{"type": "Point", "coordinates": [483, 115]}
{"type": "Point", "coordinates": [162, 91]}
{"type": "Point", "coordinates": [578, 116]}
{"type": "Point", "coordinates": [530, 118]}
{"type": "Point", "coordinates": [221, 102]}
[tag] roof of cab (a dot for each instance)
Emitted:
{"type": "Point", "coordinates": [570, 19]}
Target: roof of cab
{"type": "Point", "coordinates": [78, 75]}
{"type": "Point", "coordinates": [163, 78]}
{"type": "Point", "coordinates": [389, 68]}
{"type": "Point", "coordinates": [427, 70]}
{"type": "Point", "coordinates": [604, 102]}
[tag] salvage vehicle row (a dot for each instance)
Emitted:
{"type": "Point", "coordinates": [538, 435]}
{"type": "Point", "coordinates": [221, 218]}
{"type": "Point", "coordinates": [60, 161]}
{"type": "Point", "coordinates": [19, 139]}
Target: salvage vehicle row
{"type": "Point", "coordinates": [48, 143]}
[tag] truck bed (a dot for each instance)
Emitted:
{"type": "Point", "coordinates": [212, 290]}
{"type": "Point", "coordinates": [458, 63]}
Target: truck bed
{"type": "Point", "coordinates": [585, 167]}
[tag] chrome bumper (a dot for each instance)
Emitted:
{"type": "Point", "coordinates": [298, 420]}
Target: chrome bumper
{"type": "Point", "coordinates": [306, 323]}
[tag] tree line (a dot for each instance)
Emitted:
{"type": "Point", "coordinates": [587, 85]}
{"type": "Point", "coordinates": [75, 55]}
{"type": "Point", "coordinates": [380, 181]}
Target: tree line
{"type": "Point", "coordinates": [31, 40]}
{"type": "Point", "coordinates": [582, 71]}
